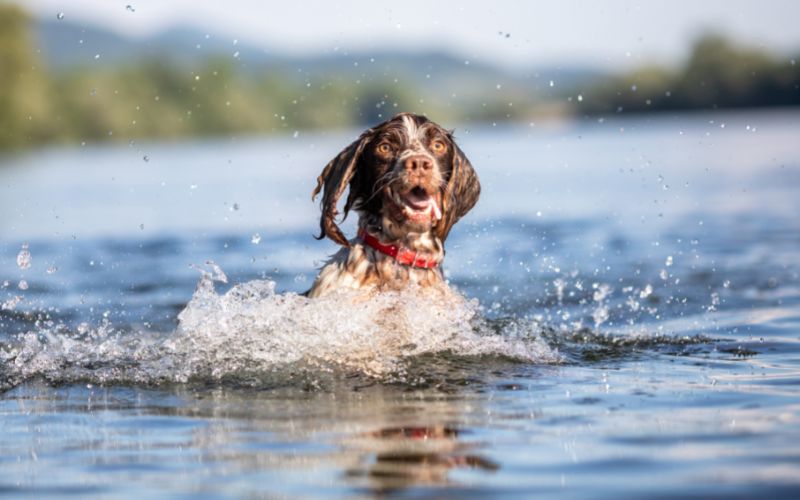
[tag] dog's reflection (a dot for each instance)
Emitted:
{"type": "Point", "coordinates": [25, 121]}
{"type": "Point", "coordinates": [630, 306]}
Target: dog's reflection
{"type": "Point", "coordinates": [401, 457]}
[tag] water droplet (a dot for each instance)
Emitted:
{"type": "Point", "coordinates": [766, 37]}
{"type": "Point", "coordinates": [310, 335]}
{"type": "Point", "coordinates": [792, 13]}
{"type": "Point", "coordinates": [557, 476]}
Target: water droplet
{"type": "Point", "coordinates": [498, 86]}
{"type": "Point", "coordinates": [23, 285]}
{"type": "Point", "coordinates": [24, 257]}
{"type": "Point", "coordinates": [146, 158]}
{"type": "Point", "coordinates": [256, 239]}
{"type": "Point", "coordinates": [60, 16]}
{"type": "Point", "coordinates": [130, 8]}
{"type": "Point", "coordinates": [217, 274]}
{"type": "Point", "coordinates": [235, 206]}
{"type": "Point", "coordinates": [11, 303]}
{"type": "Point", "coordinates": [193, 186]}
{"type": "Point", "coordinates": [97, 56]}
{"type": "Point", "coordinates": [668, 262]}
{"type": "Point", "coordinates": [726, 283]}
{"type": "Point", "coordinates": [296, 134]}
{"type": "Point", "coordinates": [141, 227]}
{"type": "Point", "coordinates": [552, 83]}
{"type": "Point", "coordinates": [52, 270]}
{"type": "Point", "coordinates": [663, 274]}
{"type": "Point", "coordinates": [236, 54]}
{"type": "Point", "coordinates": [580, 98]}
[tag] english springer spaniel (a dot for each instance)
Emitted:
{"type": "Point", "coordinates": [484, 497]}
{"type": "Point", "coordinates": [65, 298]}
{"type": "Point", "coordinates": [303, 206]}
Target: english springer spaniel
{"type": "Point", "coordinates": [409, 183]}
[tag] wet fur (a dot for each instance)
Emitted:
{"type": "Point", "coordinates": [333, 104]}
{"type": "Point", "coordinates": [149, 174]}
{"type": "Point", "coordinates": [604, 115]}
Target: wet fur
{"type": "Point", "coordinates": [374, 179]}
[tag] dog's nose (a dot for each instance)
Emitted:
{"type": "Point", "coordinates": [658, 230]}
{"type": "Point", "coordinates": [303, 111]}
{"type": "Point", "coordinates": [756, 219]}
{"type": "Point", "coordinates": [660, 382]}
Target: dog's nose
{"type": "Point", "coordinates": [418, 163]}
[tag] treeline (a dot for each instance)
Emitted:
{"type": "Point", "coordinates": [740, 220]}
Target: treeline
{"type": "Point", "coordinates": [717, 75]}
{"type": "Point", "coordinates": [165, 100]}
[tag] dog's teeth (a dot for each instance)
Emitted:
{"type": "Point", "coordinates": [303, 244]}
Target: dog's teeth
{"type": "Point", "coordinates": [437, 213]}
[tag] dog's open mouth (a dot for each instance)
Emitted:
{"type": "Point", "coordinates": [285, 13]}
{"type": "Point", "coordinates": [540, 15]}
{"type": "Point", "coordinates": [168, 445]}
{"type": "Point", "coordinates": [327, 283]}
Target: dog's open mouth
{"type": "Point", "coordinates": [419, 205]}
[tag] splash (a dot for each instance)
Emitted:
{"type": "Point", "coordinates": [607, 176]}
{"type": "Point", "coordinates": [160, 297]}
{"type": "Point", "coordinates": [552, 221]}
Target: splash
{"type": "Point", "coordinates": [254, 336]}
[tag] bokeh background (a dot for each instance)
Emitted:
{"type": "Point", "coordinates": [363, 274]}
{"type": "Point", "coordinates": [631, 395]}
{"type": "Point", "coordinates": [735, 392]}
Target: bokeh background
{"type": "Point", "coordinates": [85, 71]}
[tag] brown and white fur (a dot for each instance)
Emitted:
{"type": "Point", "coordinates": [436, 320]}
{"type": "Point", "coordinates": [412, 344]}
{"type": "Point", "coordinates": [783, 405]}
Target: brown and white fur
{"type": "Point", "coordinates": [409, 183]}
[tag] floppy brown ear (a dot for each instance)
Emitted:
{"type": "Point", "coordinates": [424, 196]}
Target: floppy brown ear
{"type": "Point", "coordinates": [460, 194]}
{"type": "Point", "coordinates": [335, 178]}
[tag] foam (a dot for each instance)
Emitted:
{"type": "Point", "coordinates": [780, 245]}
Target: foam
{"type": "Point", "coordinates": [253, 335]}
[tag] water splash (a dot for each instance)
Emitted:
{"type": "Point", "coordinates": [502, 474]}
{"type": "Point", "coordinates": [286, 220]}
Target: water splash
{"type": "Point", "coordinates": [253, 336]}
{"type": "Point", "coordinates": [371, 334]}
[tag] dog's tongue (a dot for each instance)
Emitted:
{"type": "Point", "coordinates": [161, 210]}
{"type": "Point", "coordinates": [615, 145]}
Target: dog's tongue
{"type": "Point", "coordinates": [418, 199]}
{"type": "Point", "coordinates": [421, 201]}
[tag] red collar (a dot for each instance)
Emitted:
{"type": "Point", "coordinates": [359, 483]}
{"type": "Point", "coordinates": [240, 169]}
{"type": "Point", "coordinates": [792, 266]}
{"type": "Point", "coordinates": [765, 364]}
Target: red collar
{"type": "Point", "coordinates": [401, 254]}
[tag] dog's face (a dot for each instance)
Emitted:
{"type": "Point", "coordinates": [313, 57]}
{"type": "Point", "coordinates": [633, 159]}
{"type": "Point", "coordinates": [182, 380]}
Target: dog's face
{"type": "Point", "coordinates": [404, 167]}
{"type": "Point", "coordinates": [408, 169]}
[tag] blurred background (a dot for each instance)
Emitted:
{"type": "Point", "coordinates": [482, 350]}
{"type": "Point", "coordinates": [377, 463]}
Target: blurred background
{"type": "Point", "coordinates": [86, 71]}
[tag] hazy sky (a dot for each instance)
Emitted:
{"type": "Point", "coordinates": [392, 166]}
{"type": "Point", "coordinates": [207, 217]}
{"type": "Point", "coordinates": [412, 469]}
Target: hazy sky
{"type": "Point", "coordinates": [608, 33]}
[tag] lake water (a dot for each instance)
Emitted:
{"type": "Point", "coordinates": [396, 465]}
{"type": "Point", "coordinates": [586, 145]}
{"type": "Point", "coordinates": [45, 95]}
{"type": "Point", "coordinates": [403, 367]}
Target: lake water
{"type": "Point", "coordinates": [631, 322]}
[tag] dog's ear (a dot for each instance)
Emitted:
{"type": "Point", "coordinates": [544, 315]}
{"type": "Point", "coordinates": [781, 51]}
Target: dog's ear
{"type": "Point", "coordinates": [460, 194]}
{"type": "Point", "coordinates": [335, 178]}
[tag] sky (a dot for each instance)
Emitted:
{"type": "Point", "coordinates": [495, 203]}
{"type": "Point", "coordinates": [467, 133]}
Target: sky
{"type": "Point", "coordinates": [610, 33]}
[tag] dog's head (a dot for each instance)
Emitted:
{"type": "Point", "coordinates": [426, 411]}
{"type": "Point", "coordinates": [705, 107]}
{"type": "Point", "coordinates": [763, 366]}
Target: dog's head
{"type": "Point", "coordinates": [407, 168]}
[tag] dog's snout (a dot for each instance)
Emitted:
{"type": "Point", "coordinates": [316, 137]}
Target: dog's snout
{"type": "Point", "coordinates": [418, 164]}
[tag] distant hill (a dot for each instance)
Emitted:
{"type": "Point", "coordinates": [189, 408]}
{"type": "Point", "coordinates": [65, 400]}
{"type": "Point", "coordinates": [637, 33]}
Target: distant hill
{"type": "Point", "coordinates": [66, 45]}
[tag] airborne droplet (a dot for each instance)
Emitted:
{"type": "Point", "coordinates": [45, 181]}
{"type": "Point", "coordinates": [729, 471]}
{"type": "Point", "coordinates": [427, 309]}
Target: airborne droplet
{"type": "Point", "coordinates": [24, 257]}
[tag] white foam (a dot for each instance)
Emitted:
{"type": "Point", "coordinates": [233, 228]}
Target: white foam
{"type": "Point", "coordinates": [372, 333]}
{"type": "Point", "coordinates": [253, 333]}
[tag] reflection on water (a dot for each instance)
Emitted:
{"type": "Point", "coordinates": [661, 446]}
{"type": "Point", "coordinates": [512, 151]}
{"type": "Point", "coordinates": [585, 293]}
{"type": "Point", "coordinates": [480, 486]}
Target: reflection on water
{"type": "Point", "coordinates": [401, 457]}
{"type": "Point", "coordinates": [552, 429]}
{"type": "Point", "coordinates": [367, 440]}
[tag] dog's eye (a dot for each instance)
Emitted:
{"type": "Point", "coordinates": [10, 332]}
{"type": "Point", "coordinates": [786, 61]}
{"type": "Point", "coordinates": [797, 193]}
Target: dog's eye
{"type": "Point", "coordinates": [438, 146]}
{"type": "Point", "coordinates": [384, 148]}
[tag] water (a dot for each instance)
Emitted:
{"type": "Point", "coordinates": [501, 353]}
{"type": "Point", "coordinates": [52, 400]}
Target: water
{"type": "Point", "coordinates": [627, 325]}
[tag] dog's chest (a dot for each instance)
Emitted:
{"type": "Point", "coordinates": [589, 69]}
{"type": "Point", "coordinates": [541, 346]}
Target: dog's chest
{"type": "Point", "coordinates": [358, 267]}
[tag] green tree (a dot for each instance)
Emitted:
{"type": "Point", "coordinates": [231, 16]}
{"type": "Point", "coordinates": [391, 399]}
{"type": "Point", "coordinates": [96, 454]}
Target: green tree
{"type": "Point", "coordinates": [24, 106]}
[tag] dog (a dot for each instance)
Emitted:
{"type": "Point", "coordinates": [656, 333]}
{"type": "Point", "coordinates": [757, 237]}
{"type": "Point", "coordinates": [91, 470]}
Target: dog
{"type": "Point", "coordinates": [409, 183]}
